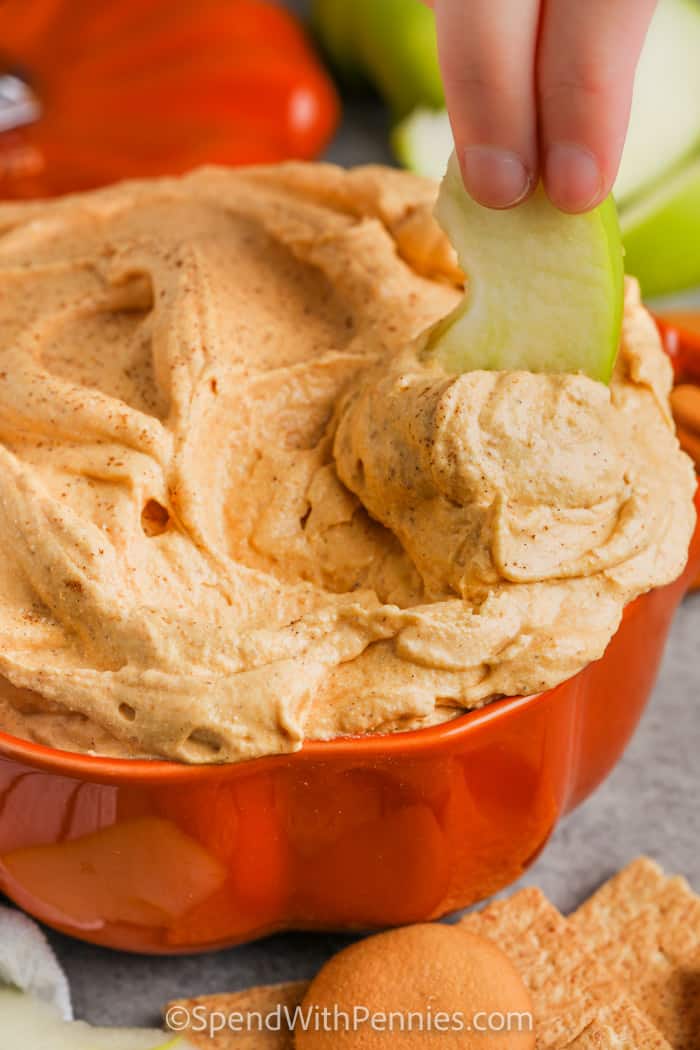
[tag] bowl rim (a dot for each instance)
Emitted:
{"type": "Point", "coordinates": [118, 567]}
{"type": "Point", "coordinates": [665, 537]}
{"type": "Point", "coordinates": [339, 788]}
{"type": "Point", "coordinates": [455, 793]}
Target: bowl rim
{"type": "Point", "coordinates": [371, 745]}
{"type": "Point", "coordinates": [397, 744]}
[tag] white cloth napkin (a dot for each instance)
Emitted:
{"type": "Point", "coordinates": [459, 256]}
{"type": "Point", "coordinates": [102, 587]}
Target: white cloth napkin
{"type": "Point", "coordinates": [28, 963]}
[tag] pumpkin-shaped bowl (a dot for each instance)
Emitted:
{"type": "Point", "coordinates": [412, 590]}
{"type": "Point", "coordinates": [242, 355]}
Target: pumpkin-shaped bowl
{"type": "Point", "coordinates": [352, 833]}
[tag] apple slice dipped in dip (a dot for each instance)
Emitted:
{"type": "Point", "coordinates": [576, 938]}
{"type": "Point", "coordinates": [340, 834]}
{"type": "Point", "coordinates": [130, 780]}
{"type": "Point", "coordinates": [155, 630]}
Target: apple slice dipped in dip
{"type": "Point", "coordinates": [544, 290]}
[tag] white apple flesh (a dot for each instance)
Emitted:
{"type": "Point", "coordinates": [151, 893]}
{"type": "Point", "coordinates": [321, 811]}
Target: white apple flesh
{"type": "Point", "coordinates": [544, 290]}
{"type": "Point", "coordinates": [423, 142]}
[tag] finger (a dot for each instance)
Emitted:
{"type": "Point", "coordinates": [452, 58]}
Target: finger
{"type": "Point", "coordinates": [487, 56]}
{"type": "Point", "coordinates": [587, 58]}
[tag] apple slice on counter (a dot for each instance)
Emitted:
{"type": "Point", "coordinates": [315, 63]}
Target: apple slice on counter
{"type": "Point", "coordinates": [544, 290]}
{"type": "Point", "coordinates": [28, 1022]}
{"type": "Point", "coordinates": [661, 232]}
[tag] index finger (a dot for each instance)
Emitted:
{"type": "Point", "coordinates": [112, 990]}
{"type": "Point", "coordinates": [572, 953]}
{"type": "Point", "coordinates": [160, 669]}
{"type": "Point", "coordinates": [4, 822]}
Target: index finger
{"type": "Point", "coordinates": [487, 56]}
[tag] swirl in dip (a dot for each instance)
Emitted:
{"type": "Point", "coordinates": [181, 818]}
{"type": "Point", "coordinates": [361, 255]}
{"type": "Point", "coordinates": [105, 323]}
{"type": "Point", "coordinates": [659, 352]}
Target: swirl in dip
{"type": "Point", "coordinates": [240, 507]}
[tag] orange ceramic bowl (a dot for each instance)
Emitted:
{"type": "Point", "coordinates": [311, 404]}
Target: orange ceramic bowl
{"type": "Point", "coordinates": [355, 833]}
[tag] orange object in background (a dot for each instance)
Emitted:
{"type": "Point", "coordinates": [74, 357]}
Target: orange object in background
{"type": "Point", "coordinates": [680, 332]}
{"type": "Point", "coordinates": [684, 320]}
{"type": "Point", "coordinates": [91, 92]}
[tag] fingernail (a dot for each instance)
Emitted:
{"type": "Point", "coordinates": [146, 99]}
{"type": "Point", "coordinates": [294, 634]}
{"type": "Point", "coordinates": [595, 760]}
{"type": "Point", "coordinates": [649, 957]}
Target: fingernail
{"type": "Point", "coordinates": [573, 180]}
{"type": "Point", "coordinates": [495, 177]}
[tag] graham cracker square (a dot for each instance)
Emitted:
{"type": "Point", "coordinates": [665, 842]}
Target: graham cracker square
{"type": "Point", "coordinates": [263, 1000]}
{"type": "Point", "coordinates": [577, 1002]}
{"type": "Point", "coordinates": [644, 926]}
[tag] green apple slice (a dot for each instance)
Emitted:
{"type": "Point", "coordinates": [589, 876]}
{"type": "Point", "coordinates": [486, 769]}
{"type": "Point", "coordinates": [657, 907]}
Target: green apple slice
{"type": "Point", "coordinates": [544, 290]}
{"type": "Point", "coordinates": [28, 1022]}
{"type": "Point", "coordinates": [661, 234]}
{"type": "Point", "coordinates": [665, 119]}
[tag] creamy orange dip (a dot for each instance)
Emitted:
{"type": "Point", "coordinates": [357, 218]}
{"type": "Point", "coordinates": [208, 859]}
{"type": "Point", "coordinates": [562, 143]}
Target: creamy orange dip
{"type": "Point", "coordinates": [239, 508]}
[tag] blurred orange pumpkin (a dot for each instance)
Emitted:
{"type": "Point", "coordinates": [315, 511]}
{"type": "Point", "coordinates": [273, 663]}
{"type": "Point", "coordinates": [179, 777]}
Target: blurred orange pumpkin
{"type": "Point", "coordinates": [95, 90]}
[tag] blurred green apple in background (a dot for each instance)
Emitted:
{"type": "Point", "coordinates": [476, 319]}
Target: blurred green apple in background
{"type": "Point", "coordinates": [665, 120]}
{"type": "Point", "coordinates": [387, 43]}
{"type": "Point", "coordinates": [333, 22]}
{"type": "Point", "coordinates": [661, 233]}
{"type": "Point", "coordinates": [544, 290]}
{"type": "Point", "coordinates": [397, 44]}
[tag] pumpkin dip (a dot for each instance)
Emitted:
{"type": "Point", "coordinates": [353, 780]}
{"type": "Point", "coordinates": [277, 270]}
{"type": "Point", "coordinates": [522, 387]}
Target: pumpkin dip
{"type": "Point", "coordinates": [239, 508]}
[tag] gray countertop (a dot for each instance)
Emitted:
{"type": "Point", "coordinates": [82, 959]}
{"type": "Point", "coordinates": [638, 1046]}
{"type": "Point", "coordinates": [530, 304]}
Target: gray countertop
{"type": "Point", "coordinates": [650, 804]}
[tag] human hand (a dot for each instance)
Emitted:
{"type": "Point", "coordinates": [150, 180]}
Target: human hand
{"type": "Point", "coordinates": [540, 89]}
